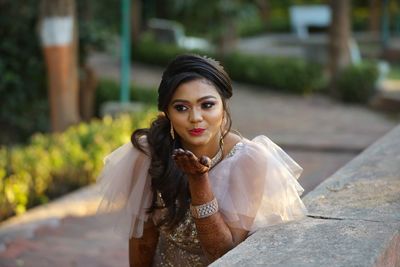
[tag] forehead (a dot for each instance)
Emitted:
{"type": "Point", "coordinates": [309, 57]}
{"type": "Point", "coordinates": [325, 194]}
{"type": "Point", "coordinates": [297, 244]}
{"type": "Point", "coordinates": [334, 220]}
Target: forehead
{"type": "Point", "coordinates": [194, 90]}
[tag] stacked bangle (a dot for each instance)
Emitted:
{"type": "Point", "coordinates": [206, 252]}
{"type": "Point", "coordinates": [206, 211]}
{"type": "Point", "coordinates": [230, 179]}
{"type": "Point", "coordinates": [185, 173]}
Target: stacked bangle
{"type": "Point", "coordinates": [204, 210]}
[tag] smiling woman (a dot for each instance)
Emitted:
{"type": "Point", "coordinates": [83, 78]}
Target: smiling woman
{"type": "Point", "coordinates": [188, 189]}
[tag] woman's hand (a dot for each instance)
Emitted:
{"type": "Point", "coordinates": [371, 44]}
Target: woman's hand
{"type": "Point", "coordinates": [190, 164]}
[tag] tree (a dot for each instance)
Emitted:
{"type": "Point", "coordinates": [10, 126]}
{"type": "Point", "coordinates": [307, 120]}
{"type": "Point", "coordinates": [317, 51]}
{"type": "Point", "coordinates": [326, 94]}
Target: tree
{"type": "Point", "coordinates": [23, 101]}
{"type": "Point", "coordinates": [264, 8]}
{"type": "Point", "coordinates": [339, 52]}
{"type": "Point", "coordinates": [215, 19]}
{"type": "Point", "coordinates": [136, 20]}
{"type": "Point", "coordinates": [58, 30]}
{"type": "Point", "coordinates": [375, 16]}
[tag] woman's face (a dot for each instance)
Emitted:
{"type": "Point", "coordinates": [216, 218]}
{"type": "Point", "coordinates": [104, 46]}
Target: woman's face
{"type": "Point", "coordinates": [196, 112]}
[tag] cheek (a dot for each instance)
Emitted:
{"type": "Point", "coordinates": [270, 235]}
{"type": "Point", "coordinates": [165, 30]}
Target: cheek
{"type": "Point", "coordinates": [178, 120]}
{"type": "Point", "coordinates": [216, 117]}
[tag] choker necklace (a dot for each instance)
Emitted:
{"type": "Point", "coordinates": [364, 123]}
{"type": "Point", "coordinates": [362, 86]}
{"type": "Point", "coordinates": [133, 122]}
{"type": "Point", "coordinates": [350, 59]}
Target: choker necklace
{"type": "Point", "coordinates": [216, 158]}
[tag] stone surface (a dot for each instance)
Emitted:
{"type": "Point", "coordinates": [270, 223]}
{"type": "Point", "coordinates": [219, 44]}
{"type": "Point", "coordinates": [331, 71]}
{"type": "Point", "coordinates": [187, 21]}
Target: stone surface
{"type": "Point", "coordinates": [354, 219]}
{"type": "Point", "coordinates": [78, 241]}
{"type": "Point", "coordinates": [82, 202]}
{"type": "Point", "coordinates": [367, 188]}
{"type": "Point", "coordinates": [314, 242]}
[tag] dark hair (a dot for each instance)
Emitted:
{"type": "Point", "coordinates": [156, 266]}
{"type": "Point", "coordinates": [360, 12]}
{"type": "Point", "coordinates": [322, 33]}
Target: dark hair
{"type": "Point", "coordinates": [166, 178]}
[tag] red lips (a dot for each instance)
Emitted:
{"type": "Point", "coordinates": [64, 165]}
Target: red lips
{"type": "Point", "coordinates": [197, 131]}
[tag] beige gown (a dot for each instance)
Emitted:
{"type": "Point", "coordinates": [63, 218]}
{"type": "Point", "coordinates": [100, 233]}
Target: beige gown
{"type": "Point", "coordinates": [255, 186]}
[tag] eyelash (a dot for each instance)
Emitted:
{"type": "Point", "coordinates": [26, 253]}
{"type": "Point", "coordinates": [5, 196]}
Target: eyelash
{"type": "Point", "coordinates": [180, 108]}
{"type": "Point", "coordinates": [205, 105]}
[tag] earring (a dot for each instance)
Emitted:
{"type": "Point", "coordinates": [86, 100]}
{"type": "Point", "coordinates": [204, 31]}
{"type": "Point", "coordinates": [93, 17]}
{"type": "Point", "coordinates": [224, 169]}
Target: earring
{"type": "Point", "coordinates": [172, 132]}
{"type": "Point", "coordinates": [221, 137]}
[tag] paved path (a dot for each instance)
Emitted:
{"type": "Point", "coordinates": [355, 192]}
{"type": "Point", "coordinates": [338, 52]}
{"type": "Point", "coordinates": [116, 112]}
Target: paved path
{"type": "Point", "coordinates": [319, 133]}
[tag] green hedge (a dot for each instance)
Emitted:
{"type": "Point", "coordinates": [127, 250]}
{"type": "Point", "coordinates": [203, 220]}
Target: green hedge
{"type": "Point", "coordinates": [356, 83]}
{"type": "Point", "coordinates": [51, 165]}
{"type": "Point", "coordinates": [109, 90]}
{"type": "Point", "coordinates": [291, 75]}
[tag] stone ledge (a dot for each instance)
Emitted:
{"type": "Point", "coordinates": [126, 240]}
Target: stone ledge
{"type": "Point", "coordinates": [316, 242]}
{"type": "Point", "coordinates": [354, 219]}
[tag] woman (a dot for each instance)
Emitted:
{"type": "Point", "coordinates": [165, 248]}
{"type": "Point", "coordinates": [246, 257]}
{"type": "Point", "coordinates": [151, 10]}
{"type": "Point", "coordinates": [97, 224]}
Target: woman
{"type": "Point", "coordinates": [188, 188]}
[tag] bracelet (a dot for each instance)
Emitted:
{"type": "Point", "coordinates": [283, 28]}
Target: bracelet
{"type": "Point", "coordinates": [204, 210]}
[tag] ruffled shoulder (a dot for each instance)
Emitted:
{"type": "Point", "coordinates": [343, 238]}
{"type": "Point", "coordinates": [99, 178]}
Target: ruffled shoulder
{"type": "Point", "coordinates": [256, 185]}
{"type": "Point", "coordinates": [126, 188]}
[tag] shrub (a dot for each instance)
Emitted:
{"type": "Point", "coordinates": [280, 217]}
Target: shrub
{"type": "Point", "coordinates": [109, 90]}
{"type": "Point", "coordinates": [288, 75]}
{"type": "Point", "coordinates": [23, 105]}
{"type": "Point", "coordinates": [51, 165]}
{"type": "Point", "coordinates": [291, 75]}
{"type": "Point", "coordinates": [356, 83]}
{"type": "Point", "coordinates": [148, 51]}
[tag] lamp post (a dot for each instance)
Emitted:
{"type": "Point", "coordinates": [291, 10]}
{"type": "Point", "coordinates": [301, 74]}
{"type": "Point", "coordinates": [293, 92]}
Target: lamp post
{"type": "Point", "coordinates": [385, 24]}
{"type": "Point", "coordinates": [125, 51]}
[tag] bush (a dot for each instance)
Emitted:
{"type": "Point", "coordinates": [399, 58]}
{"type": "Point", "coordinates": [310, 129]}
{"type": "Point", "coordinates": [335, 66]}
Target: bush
{"type": "Point", "coordinates": [291, 75]}
{"type": "Point", "coordinates": [23, 105]}
{"type": "Point", "coordinates": [356, 83]}
{"type": "Point", "coordinates": [109, 90]}
{"type": "Point", "coordinates": [288, 75]}
{"type": "Point", "coordinates": [52, 165]}
{"type": "Point", "coordinates": [150, 52]}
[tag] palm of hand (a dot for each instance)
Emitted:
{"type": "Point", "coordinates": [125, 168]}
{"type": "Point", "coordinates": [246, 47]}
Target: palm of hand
{"type": "Point", "coordinates": [189, 163]}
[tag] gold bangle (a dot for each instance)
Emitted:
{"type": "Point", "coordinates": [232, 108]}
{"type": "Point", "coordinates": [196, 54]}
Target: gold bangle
{"type": "Point", "coordinates": [204, 210]}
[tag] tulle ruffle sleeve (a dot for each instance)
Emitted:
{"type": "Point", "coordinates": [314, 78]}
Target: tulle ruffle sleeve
{"type": "Point", "coordinates": [257, 186]}
{"type": "Point", "coordinates": [126, 189]}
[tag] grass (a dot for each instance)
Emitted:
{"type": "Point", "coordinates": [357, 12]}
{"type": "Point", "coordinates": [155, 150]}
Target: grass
{"type": "Point", "coordinates": [394, 73]}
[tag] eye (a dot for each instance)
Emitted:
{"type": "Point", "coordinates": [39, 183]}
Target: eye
{"type": "Point", "coordinates": [180, 108]}
{"type": "Point", "coordinates": [207, 105]}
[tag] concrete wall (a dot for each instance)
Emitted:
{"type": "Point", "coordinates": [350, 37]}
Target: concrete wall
{"type": "Point", "coordinates": [353, 220]}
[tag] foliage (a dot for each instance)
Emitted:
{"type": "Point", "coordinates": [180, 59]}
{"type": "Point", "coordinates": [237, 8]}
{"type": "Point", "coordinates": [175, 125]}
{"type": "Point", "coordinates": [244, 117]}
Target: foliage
{"type": "Point", "coordinates": [356, 83]}
{"type": "Point", "coordinates": [97, 24]}
{"type": "Point", "coordinates": [394, 72]}
{"type": "Point", "coordinates": [51, 165]}
{"type": "Point", "coordinates": [109, 90]}
{"type": "Point", "coordinates": [23, 105]}
{"type": "Point", "coordinates": [204, 17]}
{"type": "Point", "coordinates": [148, 51]}
{"type": "Point", "coordinates": [290, 75]}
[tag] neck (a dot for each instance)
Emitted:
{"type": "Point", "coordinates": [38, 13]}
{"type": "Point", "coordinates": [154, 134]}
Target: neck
{"type": "Point", "coordinates": [209, 150]}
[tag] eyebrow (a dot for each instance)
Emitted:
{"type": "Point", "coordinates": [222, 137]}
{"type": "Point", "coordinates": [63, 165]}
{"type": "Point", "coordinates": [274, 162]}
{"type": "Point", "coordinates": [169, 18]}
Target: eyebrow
{"type": "Point", "coordinates": [199, 100]}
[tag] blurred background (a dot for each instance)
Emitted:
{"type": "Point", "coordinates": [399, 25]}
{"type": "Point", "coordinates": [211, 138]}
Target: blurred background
{"type": "Point", "coordinates": [320, 78]}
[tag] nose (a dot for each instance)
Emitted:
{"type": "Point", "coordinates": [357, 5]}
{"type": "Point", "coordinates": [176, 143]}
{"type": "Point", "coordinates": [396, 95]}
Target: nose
{"type": "Point", "coordinates": [195, 116]}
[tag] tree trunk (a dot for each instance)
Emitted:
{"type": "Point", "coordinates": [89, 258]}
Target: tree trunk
{"type": "Point", "coordinates": [58, 29]}
{"type": "Point", "coordinates": [88, 84]}
{"type": "Point", "coordinates": [339, 52]}
{"type": "Point", "coordinates": [228, 38]}
{"type": "Point", "coordinates": [136, 20]}
{"type": "Point", "coordinates": [87, 78]}
{"type": "Point", "coordinates": [375, 16]}
{"type": "Point", "coordinates": [264, 9]}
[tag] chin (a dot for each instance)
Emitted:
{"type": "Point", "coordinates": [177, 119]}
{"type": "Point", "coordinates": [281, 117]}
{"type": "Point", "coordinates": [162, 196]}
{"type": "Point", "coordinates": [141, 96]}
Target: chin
{"type": "Point", "coordinates": [197, 141]}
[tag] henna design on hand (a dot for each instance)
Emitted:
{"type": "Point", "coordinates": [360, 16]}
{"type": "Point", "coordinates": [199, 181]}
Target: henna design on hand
{"type": "Point", "coordinates": [190, 164]}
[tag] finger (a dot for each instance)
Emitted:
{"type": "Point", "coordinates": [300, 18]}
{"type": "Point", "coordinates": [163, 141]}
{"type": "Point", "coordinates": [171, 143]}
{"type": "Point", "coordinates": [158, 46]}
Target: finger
{"type": "Point", "coordinates": [177, 153]}
{"type": "Point", "coordinates": [191, 156]}
{"type": "Point", "coordinates": [206, 161]}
